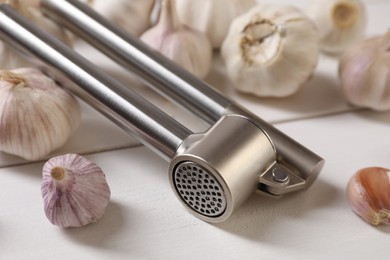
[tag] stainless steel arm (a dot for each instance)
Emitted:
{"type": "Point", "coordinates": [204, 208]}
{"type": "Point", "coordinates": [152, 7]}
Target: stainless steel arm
{"type": "Point", "coordinates": [174, 82]}
{"type": "Point", "coordinates": [160, 73]}
{"type": "Point", "coordinates": [132, 112]}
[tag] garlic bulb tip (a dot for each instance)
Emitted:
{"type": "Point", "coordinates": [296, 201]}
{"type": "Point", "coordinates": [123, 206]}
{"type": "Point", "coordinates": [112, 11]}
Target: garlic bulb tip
{"type": "Point", "coordinates": [186, 47]}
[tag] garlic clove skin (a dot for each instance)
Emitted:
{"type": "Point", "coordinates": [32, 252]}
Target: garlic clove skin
{"type": "Point", "coordinates": [212, 17]}
{"type": "Point", "coordinates": [186, 47]}
{"type": "Point", "coordinates": [364, 72]}
{"type": "Point", "coordinates": [368, 193]}
{"type": "Point", "coordinates": [340, 23]}
{"type": "Point", "coordinates": [271, 50]}
{"type": "Point", "coordinates": [131, 15]}
{"type": "Point", "coordinates": [36, 115]}
{"type": "Point", "coordinates": [74, 190]}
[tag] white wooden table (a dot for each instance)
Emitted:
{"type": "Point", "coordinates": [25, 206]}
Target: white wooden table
{"type": "Point", "coordinates": [144, 220]}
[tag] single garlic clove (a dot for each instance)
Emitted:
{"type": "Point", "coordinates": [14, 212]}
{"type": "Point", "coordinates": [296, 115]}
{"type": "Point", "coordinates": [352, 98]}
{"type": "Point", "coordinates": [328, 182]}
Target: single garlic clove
{"type": "Point", "coordinates": [368, 193]}
{"type": "Point", "coordinates": [74, 190]}
{"type": "Point", "coordinates": [131, 15]}
{"type": "Point", "coordinates": [340, 22]}
{"type": "Point", "coordinates": [212, 17]}
{"type": "Point", "coordinates": [364, 72]}
{"type": "Point", "coordinates": [187, 47]}
{"type": "Point", "coordinates": [36, 115]}
{"type": "Point", "coordinates": [271, 50]}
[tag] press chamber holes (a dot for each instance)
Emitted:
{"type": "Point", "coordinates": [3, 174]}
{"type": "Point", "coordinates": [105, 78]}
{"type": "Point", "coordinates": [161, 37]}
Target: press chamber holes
{"type": "Point", "coordinates": [200, 190]}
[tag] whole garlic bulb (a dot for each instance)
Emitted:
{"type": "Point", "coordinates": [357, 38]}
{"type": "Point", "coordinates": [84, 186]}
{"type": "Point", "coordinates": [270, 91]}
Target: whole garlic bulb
{"type": "Point", "coordinates": [36, 116]}
{"type": "Point", "coordinates": [271, 50]}
{"type": "Point", "coordinates": [212, 17]}
{"type": "Point", "coordinates": [131, 15]}
{"type": "Point", "coordinates": [10, 59]}
{"type": "Point", "coordinates": [364, 72]}
{"type": "Point", "coordinates": [340, 23]}
{"type": "Point", "coordinates": [74, 190]}
{"type": "Point", "coordinates": [187, 47]}
{"type": "Point", "coordinates": [369, 194]}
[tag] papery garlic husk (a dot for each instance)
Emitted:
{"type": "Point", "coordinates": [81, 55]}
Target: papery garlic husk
{"type": "Point", "coordinates": [187, 47]}
{"type": "Point", "coordinates": [368, 193]}
{"type": "Point", "coordinates": [10, 59]}
{"type": "Point", "coordinates": [364, 72]}
{"type": "Point", "coordinates": [340, 23]}
{"type": "Point", "coordinates": [271, 50]}
{"type": "Point", "coordinates": [132, 15]}
{"type": "Point", "coordinates": [212, 17]}
{"type": "Point", "coordinates": [36, 115]}
{"type": "Point", "coordinates": [74, 190]}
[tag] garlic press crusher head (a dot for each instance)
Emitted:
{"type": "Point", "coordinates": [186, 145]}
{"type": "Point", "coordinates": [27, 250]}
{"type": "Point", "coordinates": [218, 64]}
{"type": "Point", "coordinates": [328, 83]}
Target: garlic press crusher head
{"type": "Point", "coordinates": [212, 173]}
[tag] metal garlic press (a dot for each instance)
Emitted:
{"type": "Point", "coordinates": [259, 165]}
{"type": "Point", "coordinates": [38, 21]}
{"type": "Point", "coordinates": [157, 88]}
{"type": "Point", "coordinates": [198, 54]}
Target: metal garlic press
{"type": "Point", "coordinates": [212, 173]}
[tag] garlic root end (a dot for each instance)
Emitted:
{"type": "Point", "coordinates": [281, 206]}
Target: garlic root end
{"type": "Point", "coordinates": [13, 78]}
{"type": "Point", "coordinates": [58, 173]}
{"type": "Point", "coordinates": [344, 15]}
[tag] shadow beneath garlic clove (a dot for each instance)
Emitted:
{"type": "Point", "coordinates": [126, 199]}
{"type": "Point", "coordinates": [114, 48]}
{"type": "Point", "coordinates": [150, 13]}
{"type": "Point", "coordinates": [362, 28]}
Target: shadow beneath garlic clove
{"type": "Point", "coordinates": [259, 216]}
{"type": "Point", "coordinates": [103, 233]}
{"type": "Point", "coordinates": [375, 116]}
{"type": "Point", "coordinates": [384, 229]}
{"type": "Point", "coordinates": [320, 93]}
{"type": "Point", "coordinates": [29, 170]}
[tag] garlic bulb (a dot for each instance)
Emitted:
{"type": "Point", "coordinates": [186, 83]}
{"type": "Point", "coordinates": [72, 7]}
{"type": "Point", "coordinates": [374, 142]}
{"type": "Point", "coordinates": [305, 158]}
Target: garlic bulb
{"type": "Point", "coordinates": [365, 73]}
{"type": "Point", "coordinates": [187, 47]}
{"type": "Point", "coordinates": [10, 59]}
{"type": "Point", "coordinates": [369, 194]}
{"type": "Point", "coordinates": [36, 116]}
{"type": "Point", "coordinates": [271, 50]}
{"type": "Point", "coordinates": [74, 190]}
{"type": "Point", "coordinates": [340, 23]}
{"type": "Point", "coordinates": [131, 15]}
{"type": "Point", "coordinates": [212, 17]}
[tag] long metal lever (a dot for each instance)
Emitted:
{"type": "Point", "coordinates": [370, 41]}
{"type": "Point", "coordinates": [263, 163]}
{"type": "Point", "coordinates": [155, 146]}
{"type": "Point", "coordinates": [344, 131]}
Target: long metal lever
{"type": "Point", "coordinates": [129, 110]}
{"type": "Point", "coordinates": [160, 73]}
{"type": "Point", "coordinates": [175, 83]}
{"type": "Point", "coordinates": [212, 173]}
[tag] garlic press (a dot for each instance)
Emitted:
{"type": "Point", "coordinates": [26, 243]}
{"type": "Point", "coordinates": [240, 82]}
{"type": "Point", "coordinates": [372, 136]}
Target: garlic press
{"type": "Point", "coordinates": [213, 172]}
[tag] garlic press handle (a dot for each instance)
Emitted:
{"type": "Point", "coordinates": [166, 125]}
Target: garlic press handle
{"type": "Point", "coordinates": [180, 86]}
{"type": "Point", "coordinates": [122, 105]}
{"type": "Point", "coordinates": [157, 71]}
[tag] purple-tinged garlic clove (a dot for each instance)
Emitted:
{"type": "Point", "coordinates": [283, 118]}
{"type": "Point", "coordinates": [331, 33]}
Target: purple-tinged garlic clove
{"type": "Point", "coordinates": [187, 47]}
{"type": "Point", "coordinates": [74, 190]}
{"type": "Point", "coordinates": [364, 72]}
{"type": "Point", "coordinates": [368, 193]}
